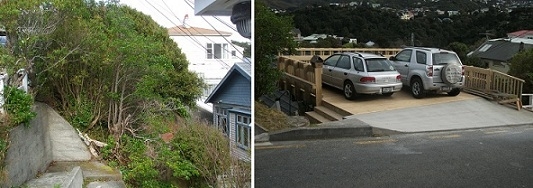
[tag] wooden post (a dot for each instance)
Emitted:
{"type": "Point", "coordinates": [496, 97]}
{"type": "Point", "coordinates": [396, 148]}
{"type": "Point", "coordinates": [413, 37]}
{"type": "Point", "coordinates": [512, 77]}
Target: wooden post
{"type": "Point", "coordinates": [489, 80]}
{"type": "Point", "coordinates": [317, 64]}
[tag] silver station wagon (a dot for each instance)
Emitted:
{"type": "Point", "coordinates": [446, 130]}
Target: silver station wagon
{"type": "Point", "coordinates": [361, 73]}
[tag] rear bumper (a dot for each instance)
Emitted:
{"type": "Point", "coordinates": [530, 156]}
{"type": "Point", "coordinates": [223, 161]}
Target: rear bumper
{"type": "Point", "coordinates": [444, 87]}
{"type": "Point", "coordinates": [441, 86]}
{"type": "Point", "coordinates": [377, 88]}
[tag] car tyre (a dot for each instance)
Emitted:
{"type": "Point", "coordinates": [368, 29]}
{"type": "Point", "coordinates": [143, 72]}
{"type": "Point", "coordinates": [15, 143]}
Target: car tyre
{"type": "Point", "coordinates": [417, 88]}
{"type": "Point", "coordinates": [388, 94]}
{"type": "Point", "coordinates": [349, 90]}
{"type": "Point", "coordinates": [454, 92]}
{"type": "Point", "coordinates": [451, 73]}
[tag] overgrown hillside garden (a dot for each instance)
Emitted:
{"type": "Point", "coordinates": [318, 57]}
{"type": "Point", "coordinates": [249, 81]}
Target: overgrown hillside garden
{"type": "Point", "coordinates": [115, 74]}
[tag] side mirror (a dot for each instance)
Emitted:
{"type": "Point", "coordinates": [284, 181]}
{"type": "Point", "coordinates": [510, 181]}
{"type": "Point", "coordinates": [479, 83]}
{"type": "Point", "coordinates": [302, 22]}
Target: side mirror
{"type": "Point", "coordinates": [392, 58]}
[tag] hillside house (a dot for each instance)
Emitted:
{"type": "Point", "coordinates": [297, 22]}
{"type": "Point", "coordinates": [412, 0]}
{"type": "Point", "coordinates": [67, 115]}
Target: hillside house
{"type": "Point", "coordinates": [3, 38]}
{"type": "Point", "coordinates": [525, 34]}
{"type": "Point", "coordinates": [209, 52]}
{"type": "Point", "coordinates": [497, 53]}
{"type": "Point", "coordinates": [231, 101]}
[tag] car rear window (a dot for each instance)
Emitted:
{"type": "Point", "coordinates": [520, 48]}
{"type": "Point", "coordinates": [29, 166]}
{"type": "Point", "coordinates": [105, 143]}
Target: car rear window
{"type": "Point", "coordinates": [445, 58]}
{"type": "Point", "coordinates": [378, 65]}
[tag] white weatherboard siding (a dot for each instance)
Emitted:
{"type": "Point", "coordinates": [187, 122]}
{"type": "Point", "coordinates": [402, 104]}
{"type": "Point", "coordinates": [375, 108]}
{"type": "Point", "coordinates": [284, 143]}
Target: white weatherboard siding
{"type": "Point", "coordinates": [212, 70]}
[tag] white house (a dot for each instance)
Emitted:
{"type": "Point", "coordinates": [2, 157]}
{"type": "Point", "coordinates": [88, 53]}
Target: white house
{"type": "Point", "coordinates": [209, 52]}
{"type": "Point", "coordinates": [231, 99]}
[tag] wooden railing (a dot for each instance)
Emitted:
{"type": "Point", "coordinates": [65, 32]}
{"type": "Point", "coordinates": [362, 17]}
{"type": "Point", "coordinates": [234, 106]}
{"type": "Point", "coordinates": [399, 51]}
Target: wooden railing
{"type": "Point", "coordinates": [303, 79]}
{"type": "Point", "coordinates": [305, 54]}
{"type": "Point", "coordinates": [494, 85]}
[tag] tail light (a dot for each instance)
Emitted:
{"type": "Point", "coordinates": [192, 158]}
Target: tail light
{"type": "Point", "coordinates": [399, 78]}
{"type": "Point", "coordinates": [463, 71]}
{"type": "Point", "coordinates": [367, 80]}
{"type": "Point", "coordinates": [429, 71]}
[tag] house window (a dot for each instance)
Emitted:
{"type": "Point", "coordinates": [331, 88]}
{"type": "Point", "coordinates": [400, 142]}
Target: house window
{"type": "Point", "coordinates": [221, 120]}
{"type": "Point", "coordinates": [234, 54]}
{"type": "Point", "coordinates": [217, 51]}
{"type": "Point", "coordinates": [243, 131]}
{"type": "Point", "coordinates": [485, 47]}
{"type": "Point", "coordinates": [209, 90]}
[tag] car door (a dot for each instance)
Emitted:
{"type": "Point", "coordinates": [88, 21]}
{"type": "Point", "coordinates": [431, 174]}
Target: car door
{"type": "Point", "coordinates": [327, 68]}
{"type": "Point", "coordinates": [341, 71]}
{"type": "Point", "coordinates": [401, 62]}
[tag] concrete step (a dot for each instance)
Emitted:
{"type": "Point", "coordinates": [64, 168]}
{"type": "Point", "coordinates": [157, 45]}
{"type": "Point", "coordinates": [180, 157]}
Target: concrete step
{"type": "Point", "coordinates": [315, 118]}
{"type": "Point", "coordinates": [106, 184]}
{"type": "Point", "coordinates": [92, 170]}
{"type": "Point", "coordinates": [332, 107]}
{"type": "Point", "coordinates": [327, 113]}
{"type": "Point", "coordinates": [65, 179]}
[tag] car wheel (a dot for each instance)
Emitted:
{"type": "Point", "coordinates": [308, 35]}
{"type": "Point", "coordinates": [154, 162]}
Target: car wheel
{"type": "Point", "coordinates": [388, 94]}
{"type": "Point", "coordinates": [454, 92]}
{"type": "Point", "coordinates": [452, 73]}
{"type": "Point", "coordinates": [417, 88]}
{"type": "Point", "coordinates": [349, 90]}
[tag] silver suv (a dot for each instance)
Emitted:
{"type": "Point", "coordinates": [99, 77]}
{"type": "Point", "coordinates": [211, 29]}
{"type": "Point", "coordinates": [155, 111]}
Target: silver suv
{"type": "Point", "coordinates": [429, 69]}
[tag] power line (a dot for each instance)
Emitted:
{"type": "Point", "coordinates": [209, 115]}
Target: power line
{"type": "Point", "coordinates": [226, 24]}
{"type": "Point", "coordinates": [203, 34]}
{"type": "Point", "coordinates": [189, 3]}
{"type": "Point", "coordinates": [187, 34]}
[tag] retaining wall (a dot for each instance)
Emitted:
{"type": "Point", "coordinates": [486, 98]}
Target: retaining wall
{"type": "Point", "coordinates": [30, 151]}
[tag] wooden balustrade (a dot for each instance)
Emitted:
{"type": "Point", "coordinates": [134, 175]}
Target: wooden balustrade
{"type": "Point", "coordinates": [494, 84]}
{"type": "Point", "coordinates": [301, 78]}
{"type": "Point", "coordinates": [304, 54]}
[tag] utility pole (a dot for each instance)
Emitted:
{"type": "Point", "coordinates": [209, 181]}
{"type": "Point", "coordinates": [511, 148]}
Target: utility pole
{"type": "Point", "coordinates": [412, 39]}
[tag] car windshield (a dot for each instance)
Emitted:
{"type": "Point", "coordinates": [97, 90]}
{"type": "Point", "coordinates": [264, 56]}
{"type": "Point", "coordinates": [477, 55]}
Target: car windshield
{"type": "Point", "coordinates": [445, 58]}
{"type": "Point", "coordinates": [378, 65]}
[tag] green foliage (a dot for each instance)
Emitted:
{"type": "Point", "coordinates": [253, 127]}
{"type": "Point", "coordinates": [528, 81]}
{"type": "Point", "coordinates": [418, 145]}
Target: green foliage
{"type": "Point", "coordinates": [81, 114]}
{"type": "Point", "coordinates": [18, 105]}
{"type": "Point", "coordinates": [141, 169]}
{"type": "Point", "coordinates": [178, 164]}
{"type": "Point", "coordinates": [205, 147]}
{"type": "Point", "coordinates": [460, 48]}
{"type": "Point", "coordinates": [197, 155]}
{"type": "Point", "coordinates": [521, 67]}
{"type": "Point", "coordinates": [275, 39]}
{"type": "Point", "coordinates": [475, 61]}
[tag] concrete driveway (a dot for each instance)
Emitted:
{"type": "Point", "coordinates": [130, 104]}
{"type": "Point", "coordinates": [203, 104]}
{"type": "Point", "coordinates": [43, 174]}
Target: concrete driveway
{"type": "Point", "coordinates": [379, 115]}
{"type": "Point", "coordinates": [469, 113]}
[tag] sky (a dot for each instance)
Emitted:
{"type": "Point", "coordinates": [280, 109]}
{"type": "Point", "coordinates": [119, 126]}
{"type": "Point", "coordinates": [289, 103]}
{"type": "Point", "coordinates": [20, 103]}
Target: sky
{"type": "Point", "coordinates": [169, 13]}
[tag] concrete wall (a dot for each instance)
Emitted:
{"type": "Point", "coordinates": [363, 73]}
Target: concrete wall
{"type": "Point", "coordinates": [29, 151]}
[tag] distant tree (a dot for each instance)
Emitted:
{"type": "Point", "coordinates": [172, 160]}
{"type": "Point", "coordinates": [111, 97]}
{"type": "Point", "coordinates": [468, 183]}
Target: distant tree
{"type": "Point", "coordinates": [272, 37]}
{"type": "Point", "coordinates": [460, 48]}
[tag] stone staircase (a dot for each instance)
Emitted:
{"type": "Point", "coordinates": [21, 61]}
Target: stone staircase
{"type": "Point", "coordinates": [72, 165]}
{"type": "Point", "coordinates": [90, 174]}
{"type": "Point", "coordinates": [326, 113]}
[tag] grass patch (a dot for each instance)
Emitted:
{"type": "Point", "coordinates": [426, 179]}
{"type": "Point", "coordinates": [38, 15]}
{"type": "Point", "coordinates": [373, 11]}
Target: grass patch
{"type": "Point", "coordinates": [270, 119]}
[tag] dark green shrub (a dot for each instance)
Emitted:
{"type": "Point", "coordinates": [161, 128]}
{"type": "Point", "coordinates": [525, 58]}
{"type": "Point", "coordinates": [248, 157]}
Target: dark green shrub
{"type": "Point", "coordinates": [18, 106]}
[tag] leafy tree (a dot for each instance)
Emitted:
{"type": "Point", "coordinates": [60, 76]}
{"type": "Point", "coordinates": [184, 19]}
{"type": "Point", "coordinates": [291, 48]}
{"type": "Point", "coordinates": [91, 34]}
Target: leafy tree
{"type": "Point", "coordinates": [521, 67]}
{"type": "Point", "coordinates": [274, 37]}
{"type": "Point", "coordinates": [247, 48]}
{"type": "Point", "coordinates": [113, 70]}
{"type": "Point", "coordinates": [460, 48]}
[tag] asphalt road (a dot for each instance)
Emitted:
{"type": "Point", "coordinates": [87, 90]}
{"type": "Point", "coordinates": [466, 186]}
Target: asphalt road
{"type": "Point", "coordinates": [491, 157]}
